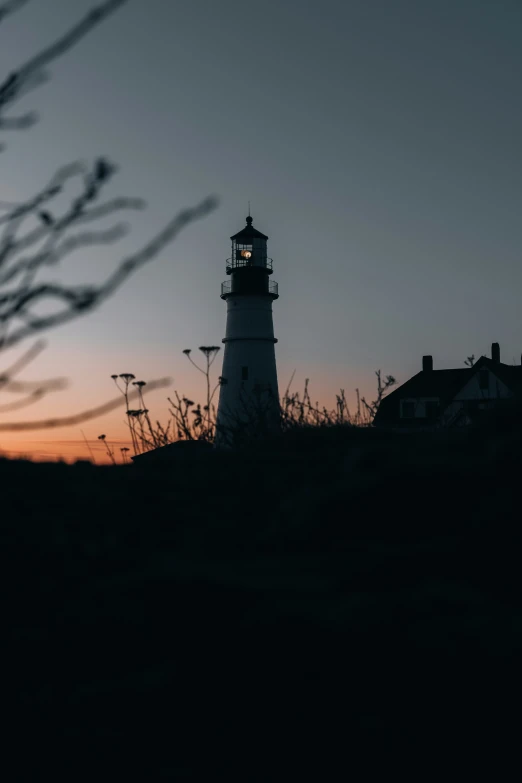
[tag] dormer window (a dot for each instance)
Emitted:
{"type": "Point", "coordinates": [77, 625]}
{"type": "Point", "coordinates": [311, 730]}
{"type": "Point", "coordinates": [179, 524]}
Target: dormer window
{"type": "Point", "coordinates": [431, 409]}
{"type": "Point", "coordinates": [407, 409]}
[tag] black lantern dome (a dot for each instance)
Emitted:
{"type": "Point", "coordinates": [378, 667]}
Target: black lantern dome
{"type": "Point", "coordinates": [249, 232]}
{"type": "Point", "coordinates": [249, 264]}
{"type": "Point", "coordinates": [249, 249]}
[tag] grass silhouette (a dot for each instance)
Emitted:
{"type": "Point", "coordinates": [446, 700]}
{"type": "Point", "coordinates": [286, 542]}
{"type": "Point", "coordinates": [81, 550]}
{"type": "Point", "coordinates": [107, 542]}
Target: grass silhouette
{"type": "Point", "coordinates": [190, 421]}
{"type": "Point", "coordinates": [266, 613]}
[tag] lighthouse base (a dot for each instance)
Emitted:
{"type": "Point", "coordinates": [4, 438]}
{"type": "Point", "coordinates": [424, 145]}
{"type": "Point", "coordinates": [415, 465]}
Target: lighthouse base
{"type": "Point", "coordinates": [249, 398]}
{"type": "Point", "coordinates": [252, 416]}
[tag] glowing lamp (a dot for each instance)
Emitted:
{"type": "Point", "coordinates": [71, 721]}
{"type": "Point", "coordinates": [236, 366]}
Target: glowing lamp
{"type": "Point", "coordinates": [246, 254]}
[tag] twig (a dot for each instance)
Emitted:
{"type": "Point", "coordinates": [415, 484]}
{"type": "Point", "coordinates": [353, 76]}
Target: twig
{"type": "Point", "coordinates": [88, 446]}
{"type": "Point", "coordinates": [67, 421]}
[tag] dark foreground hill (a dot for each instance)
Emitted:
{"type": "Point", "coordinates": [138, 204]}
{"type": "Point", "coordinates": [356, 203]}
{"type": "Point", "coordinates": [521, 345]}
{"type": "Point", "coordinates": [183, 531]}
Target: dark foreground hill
{"type": "Point", "coordinates": [277, 614]}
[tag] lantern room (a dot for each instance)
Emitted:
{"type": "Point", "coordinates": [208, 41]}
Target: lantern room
{"type": "Point", "coordinates": [249, 249]}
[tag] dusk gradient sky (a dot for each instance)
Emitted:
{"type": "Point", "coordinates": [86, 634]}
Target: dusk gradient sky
{"type": "Point", "coordinates": [379, 145]}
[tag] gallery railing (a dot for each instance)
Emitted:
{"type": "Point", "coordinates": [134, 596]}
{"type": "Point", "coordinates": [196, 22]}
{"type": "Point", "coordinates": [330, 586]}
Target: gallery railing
{"type": "Point", "coordinates": [239, 263]}
{"type": "Point", "coordinates": [272, 289]}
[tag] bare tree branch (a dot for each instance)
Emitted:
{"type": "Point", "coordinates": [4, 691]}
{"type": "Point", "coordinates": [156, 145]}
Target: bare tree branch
{"type": "Point", "coordinates": [35, 390]}
{"type": "Point", "coordinates": [55, 186]}
{"type": "Point", "coordinates": [52, 228]}
{"type": "Point", "coordinates": [77, 418]}
{"type": "Point", "coordinates": [21, 387]}
{"type": "Point", "coordinates": [24, 360]}
{"type": "Point", "coordinates": [32, 74]}
{"type": "Point", "coordinates": [115, 205]}
{"type": "Point", "coordinates": [10, 7]}
{"type": "Point", "coordinates": [81, 299]}
{"type": "Point", "coordinates": [382, 388]}
{"type": "Point", "coordinates": [24, 402]}
{"type": "Point", "coordinates": [39, 232]}
{"type": "Point", "coordinates": [18, 301]}
{"type": "Point", "coordinates": [66, 248]}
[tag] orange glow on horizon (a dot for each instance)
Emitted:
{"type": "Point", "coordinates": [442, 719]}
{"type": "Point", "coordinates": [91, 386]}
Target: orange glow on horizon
{"type": "Point", "coordinates": [66, 443]}
{"type": "Point", "coordinates": [67, 450]}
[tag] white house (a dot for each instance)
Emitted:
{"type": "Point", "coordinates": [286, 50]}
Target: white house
{"type": "Point", "coordinates": [450, 398]}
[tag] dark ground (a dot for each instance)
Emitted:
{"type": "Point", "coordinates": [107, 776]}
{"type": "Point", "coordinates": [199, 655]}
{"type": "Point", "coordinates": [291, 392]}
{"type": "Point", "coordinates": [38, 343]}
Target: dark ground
{"type": "Point", "coordinates": [275, 615]}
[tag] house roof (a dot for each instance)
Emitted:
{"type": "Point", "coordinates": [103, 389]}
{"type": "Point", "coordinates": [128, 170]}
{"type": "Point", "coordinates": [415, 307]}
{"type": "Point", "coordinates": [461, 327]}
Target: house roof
{"type": "Point", "coordinates": [445, 384]}
{"type": "Point", "coordinates": [510, 374]}
{"type": "Point", "coordinates": [179, 449]}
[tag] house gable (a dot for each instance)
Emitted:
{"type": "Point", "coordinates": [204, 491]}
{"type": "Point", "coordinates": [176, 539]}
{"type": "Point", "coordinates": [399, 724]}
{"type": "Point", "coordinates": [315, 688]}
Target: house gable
{"type": "Point", "coordinates": [420, 392]}
{"type": "Point", "coordinates": [484, 384]}
{"type": "Point", "coordinates": [431, 394]}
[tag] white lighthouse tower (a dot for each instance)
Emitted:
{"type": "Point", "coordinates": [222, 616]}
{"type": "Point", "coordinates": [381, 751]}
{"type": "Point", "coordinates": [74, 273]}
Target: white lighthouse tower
{"type": "Point", "coordinates": [249, 395]}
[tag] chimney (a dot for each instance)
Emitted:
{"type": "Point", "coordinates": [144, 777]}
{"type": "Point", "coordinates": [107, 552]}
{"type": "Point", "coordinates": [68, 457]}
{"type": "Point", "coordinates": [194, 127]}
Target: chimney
{"type": "Point", "coordinates": [427, 363]}
{"type": "Point", "coordinates": [495, 353]}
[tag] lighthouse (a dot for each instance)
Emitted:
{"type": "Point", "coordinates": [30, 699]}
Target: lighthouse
{"type": "Point", "coordinates": [249, 397]}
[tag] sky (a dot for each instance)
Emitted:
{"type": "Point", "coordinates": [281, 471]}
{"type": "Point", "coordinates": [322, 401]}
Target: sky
{"type": "Point", "coordinates": [378, 144]}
